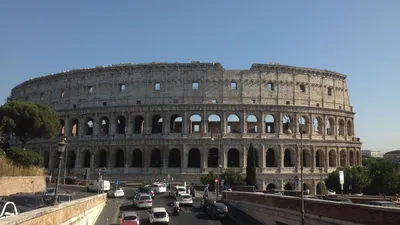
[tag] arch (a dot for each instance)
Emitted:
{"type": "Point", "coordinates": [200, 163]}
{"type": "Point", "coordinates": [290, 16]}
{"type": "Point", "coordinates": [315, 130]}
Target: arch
{"type": "Point", "coordinates": [138, 125]}
{"type": "Point", "coordinates": [269, 124]}
{"type": "Point", "coordinates": [303, 124]}
{"type": "Point", "coordinates": [343, 158]}
{"type": "Point", "coordinates": [271, 158]}
{"type": "Point", "coordinates": [341, 127]}
{"type": "Point", "coordinates": [102, 158]}
{"type": "Point", "coordinates": [156, 124]}
{"type": "Point", "coordinates": [104, 125]}
{"type": "Point", "coordinates": [233, 158]}
{"type": "Point", "coordinates": [349, 128]}
{"type": "Point", "coordinates": [317, 125]}
{"type": "Point", "coordinates": [194, 158]}
{"type": "Point", "coordinates": [195, 123]}
{"type": "Point", "coordinates": [62, 129]}
{"type": "Point", "coordinates": [46, 159]}
{"type": "Point", "coordinates": [174, 158]}
{"type": "Point", "coordinates": [155, 160]}
{"type": "Point", "coordinates": [319, 158]}
{"type": "Point", "coordinates": [332, 158]}
{"type": "Point", "coordinates": [233, 124]}
{"type": "Point", "coordinates": [330, 126]}
{"type": "Point", "coordinates": [252, 124]}
{"type": "Point", "coordinates": [320, 188]}
{"type": "Point", "coordinates": [121, 125]}
{"type": "Point", "coordinates": [271, 187]}
{"type": "Point", "coordinates": [288, 187]}
{"type": "Point", "coordinates": [289, 159]}
{"type": "Point", "coordinates": [357, 158]}
{"type": "Point", "coordinates": [214, 123]}
{"type": "Point", "coordinates": [137, 158]}
{"type": "Point", "coordinates": [176, 124]}
{"type": "Point", "coordinates": [306, 186]}
{"type": "Point", "coordinates": [119, 158]}
{"type": "Point", "coordinates": [74, 124]}
{"type": "Point", "coordinates": [351, 158]}
{"type": "Point", "coordinates": [213, 158]}
{"type": "Point", "coordinates": [86, 159]}
{"type": "Point", "coordinates": [89, 123]}
{"type": "Point", "coordinates": [71, 159]}
{"type": "Point", "coordinates": [307, 158]}
{"type": "Point", "coordinates": [287, 123]}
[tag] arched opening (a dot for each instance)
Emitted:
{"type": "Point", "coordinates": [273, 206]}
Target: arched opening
{"type": "Point", "coordinates": [174, 158]}
{"type": "Point", "coordinates": [194, 158]}
{"type": "Point", "coordinates": [62, 129]}
{"type": "Point", "coordinates": [289, 158]}
{"type": "Point", "coordinates": [341, 127]}
{"type": "Point", "coordinates": [319, 158]}
{"type": "Point", "coordinates": [343, 158]}
{"type": "Point", "coordinates": [176, 124]}
{"type": "Point", "coordinates": [156, 124]}
{"type": "Point", "coordinates": [138, 126]}
{"type": "Point", "coordinates": [330, 126]}
{"type": "Point", "coordinates": [121, 125]}
{"type": "Point", "coordinates": [155, 158]}
{"type": "Point", "coordinates": [86, 159]}
{"type": "Point", "coordinates": [195, 124]}
{"type": "Point", "coordinates": [213, 157]}
{"type": "Point", "coordinates": [332, 158]}
{"type": "Point", "coordinates": [351, 158]}
{"type": "Point", "coordinates": [271, 187]}
{"type": "Point", "coordinates": [214, 123]}
{"type": "Point", "coordinates": [271, 159]}
{"type": "Point", "coordinates": [252, 124]}
{"type": "Point", "coordinates": [89, 126]}
{"type": "Point", "coordinates": [357, 158]}
{"type": "Point", "coordinates": [306, 158]}
{"type": "Point", "coordinates": [137, 158]}
{"type": "Point", "coordinates": [349, 128]}
{"type": "Point", "coordinates": [71, 159]}
{"type": "Point", "coordinates": [74, 127]}
{"type": "Point", "coordinates": [288, 187]}
{"type": "Point", "coordinates": [104, 126]}
{"type": "Point", "coordinates": [306, 186]}
{"type": "Point", "coordinates": [233, 124]}
{"type": "Point", "coordinates": [318, 125]}
{"type": "Point", "coordinates": [303, 125]}
{"type": "Point", "coordinates": [119, 158]}
{"type": "Point", "coordinates": [269, 124]}
{"type": "Point", "coordinates": [233, 158]}
{"type": "Point", "coordinates": [320, 188]}
{"type": "Point", "coordinates": [46, 159]}
{"type": "Point", "coordinates": [287, 123]}
{"type": "Point", "coordinates": [102, 158]}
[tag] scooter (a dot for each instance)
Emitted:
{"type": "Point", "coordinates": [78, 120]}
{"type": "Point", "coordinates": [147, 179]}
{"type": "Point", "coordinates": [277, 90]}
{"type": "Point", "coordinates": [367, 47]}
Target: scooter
{"type": "Point", "coordinates": [176, 211]}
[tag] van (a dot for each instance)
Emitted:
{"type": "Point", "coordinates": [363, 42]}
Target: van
{"type": "Point", "coordinates": [99, 185]}
{"type": "Point", "coordinates": [159, 188]}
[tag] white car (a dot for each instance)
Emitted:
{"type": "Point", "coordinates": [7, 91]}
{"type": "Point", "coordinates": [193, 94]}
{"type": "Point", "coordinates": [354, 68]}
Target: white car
{"type": "Point", "coordinates": [185, 199]}
{"type": "Point", "coordinates": [143, 201]}
{"type": "Point", "coordinates": [158, 215]}
{"type": "Point", "coordinates": [159, 188]}
{"type": "Point", "coordinates": [129, 218]}
{"type": "Point", "coordinates": [116, 192]}
{"type": "Point", "coordinates": [179, 190]}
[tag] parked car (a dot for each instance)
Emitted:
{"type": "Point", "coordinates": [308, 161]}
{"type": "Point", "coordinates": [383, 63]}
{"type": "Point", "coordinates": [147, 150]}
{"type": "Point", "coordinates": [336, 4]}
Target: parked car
{"type": "Point", "coordinates": [26, 201]}
{"type": "Point", "coordinates": [217, 210]}
{"type": "Point", "coordinates": [383, 203]}
{"type": "Point", "coordinates": [143, 201]}
{"type": "Point", "coordinates": [116, 192]}
{"type": "Point", "coordinates": [158, 215]}
{"type": "Point", "coordinates": [129, 218]}
{"type": "Point", "coordinates": [7, 209]}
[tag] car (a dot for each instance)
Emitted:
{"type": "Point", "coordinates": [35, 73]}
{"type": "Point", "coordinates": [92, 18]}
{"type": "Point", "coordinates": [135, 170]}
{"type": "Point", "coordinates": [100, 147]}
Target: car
{"type": "Point", "coordinates": [206, 203]}
{"type": "Point", "coordinates": [383, 203]}
{"type": "Point", "coordinates": [116, 192]}
{"type": "Point", "coordinates": [217, 210]}
{"type": "Point", "coordinates": [50, 191]}
{"type": "Point", "coordinates": [65, 198]}
{"type": "Point", "coordinates": [185, 199]}
{"type": "Point", "coordinates": [98, 185]}
{"type": "Point", "coordinates": [7, 209]}
{"type": "Point", "coordinates": [143, 201]}
{"type": "Point", "coordinates": [158, 215]}
{"type": "Point", "coordinates": [159, 188]}
{"type": "Point", "coordinates": [179, 190]}
{"type": "Point", "coordinates": [146, 190]}
{"type": "Point", "coordinates": [129, 218]}
{"type": "Point", "coordinates": [344, 200]}
{"type": "Point", "coordinates": [26, 201]}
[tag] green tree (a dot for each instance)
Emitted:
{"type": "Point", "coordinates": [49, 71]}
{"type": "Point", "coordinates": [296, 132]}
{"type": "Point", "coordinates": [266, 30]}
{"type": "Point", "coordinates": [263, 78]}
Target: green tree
{"type": "Point", "coordinates": [208, 178]}
{"type": "Point", "coordinates": [384, 177]}
{"type": "Point", "coordinates": [232, 177]}
{"type": "Point", "coordinates": [368, 160]}
{"type": "Point", "coordinates": [251, 167]}
{"type": "Point", "coordinates": [21, 157]}
{"type": "Point", "coordinates": [360, 178]}
{"type": "Point", "coordinates": [27, 120]}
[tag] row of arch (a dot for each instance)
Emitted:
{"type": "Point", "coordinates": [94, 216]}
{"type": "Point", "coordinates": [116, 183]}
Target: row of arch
{"type": "Point", "coordinates": [101, 158]}
{"type": "Point", "coordinates": [291, 186]}
{"type": "Point", "coordinates": [213, 123]}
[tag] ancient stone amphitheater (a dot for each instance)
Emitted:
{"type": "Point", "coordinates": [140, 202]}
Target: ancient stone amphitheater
{"type": "Point", "coordinates": [184, 119]}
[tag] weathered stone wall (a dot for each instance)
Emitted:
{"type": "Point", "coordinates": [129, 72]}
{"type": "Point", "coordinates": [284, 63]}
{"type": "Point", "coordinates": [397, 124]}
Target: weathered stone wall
{"type": "Point", "coordinates": [83, 211]}
{"type": "Point", "coordinates": [12, 185]}
{"type": "Point", "coordinates": [271, 209]}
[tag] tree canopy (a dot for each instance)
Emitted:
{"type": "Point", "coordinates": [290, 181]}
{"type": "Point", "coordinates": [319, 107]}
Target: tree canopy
{"type": "Point", "coordinates": [27, 121]}
{"type": "Point", "coordinates": [251, 167]}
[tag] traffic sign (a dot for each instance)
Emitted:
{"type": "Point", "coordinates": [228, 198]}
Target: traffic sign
{"type": "Point", "coordinates": [297, 182]}
{"type": "Point", "coordinates": [116, 182]}
{"type": "Point", "coordinates": [296, 178]}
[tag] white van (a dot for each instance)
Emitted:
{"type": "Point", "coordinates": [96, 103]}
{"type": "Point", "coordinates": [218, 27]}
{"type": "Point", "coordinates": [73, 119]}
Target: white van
{"type": "Point", "coordinates": [98, 185]}
{"type": "Point", "coordinates": [159, 188]}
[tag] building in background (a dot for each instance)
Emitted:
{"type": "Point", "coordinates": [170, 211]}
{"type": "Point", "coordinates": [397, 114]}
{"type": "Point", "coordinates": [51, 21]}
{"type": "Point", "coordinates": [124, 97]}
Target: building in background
{"type": "Point", "coordinates": [372, 153]}
{"type": "Point", "coordinates": [392, 156]}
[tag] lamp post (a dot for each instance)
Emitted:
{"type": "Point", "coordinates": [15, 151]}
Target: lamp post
{"type": "Point", "coordinates": [66, 161]}
{"type": "Point", "coordinates": [320, 180]}
{"type": "Point", "coordinates": [219, 165]}
{"type": "Point", "coordinates": [61, 148]}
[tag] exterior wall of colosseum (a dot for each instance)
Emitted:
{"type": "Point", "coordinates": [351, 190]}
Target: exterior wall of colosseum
{"type": "Point", "coordinates": [190, 118]}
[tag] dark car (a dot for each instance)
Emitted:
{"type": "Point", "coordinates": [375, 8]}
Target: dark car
{"type": "Point", "coordinates": [146, 190]}
{"type": "Point", "coordinates": [206, 203]}
{"type": "Point", "coordinates": [383, 203]}
{"type": "Point", "coordinates": [217, 210]}
{"type": "Point", "coordinates": [26, 202]}
{"type": "Point", "coordinates": [345, 200]}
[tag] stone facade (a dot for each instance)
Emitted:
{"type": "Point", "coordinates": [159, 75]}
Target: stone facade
{"type": "Point", "coordinates": [188, 118]}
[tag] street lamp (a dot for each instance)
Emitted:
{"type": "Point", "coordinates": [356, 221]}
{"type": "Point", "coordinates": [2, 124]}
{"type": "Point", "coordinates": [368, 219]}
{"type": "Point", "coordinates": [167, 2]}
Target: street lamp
{"type": "Point", "coordinates": [61, 148]}
{"type": "Point", "coordinates": [301, 174]}
{"type": "Point", "coordinates": [219, 165]}
{"type": "Point", "coordinates": [66, 161]}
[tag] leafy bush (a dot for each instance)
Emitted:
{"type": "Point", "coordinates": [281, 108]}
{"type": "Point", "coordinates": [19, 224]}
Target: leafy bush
{"type": "Point", "coordinates": [208, 178]}
{"type": "Point", "coordinates": [22, 157]}
{"type": "Point", "coordinates": [232, 177]}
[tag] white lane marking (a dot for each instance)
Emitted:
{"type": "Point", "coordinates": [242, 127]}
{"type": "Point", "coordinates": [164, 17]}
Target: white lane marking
{"type": "Point", "coordinates": [210, 222]}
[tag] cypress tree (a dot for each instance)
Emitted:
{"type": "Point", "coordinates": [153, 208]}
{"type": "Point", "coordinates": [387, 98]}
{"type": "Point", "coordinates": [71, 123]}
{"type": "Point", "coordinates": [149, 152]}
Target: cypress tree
{"type": "Point", "coordinates": [251, 166]}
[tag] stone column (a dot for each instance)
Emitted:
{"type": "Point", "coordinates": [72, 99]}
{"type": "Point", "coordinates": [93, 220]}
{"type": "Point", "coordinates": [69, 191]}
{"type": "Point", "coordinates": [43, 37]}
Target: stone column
{"type": "Point", "coordinates": [184, 157]}
{"type": "Point", "coordinates": [77, 160]}
{"type": "Point", "coordinates": [186, 122]}
{"type": "Point", "coordinates": [224, 123]}
{"type": "Point", "coordinates": [67, 129]}
{"type": "Point", "coordinates": [112, 123]}
{"type": "Point", "coordinates": [281, 163]}
{"type": "Point", "coordinates": [243, 123]}
{"type": "Point", "coordinates": [204, 158]}
{"type": "Point", "coordinates": [326, 150]}
{"type": "Point", "coordinates": [224, 157]}
{"type": "Point", "coordinates": [263, 157]}
{"type": "Point", "coordinates": [312, 148]}
{"type": "Point", "coordinates": [129, 123]}
{"type": "Point", "coordinates": [204, 122]}
{"type": "Point", "coordinates": [262, 127]}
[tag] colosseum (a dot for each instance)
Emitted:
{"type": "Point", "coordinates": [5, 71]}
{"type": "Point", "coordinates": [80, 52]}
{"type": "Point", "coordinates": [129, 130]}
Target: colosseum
{"type": "Point", "coordinates": [185, 119]}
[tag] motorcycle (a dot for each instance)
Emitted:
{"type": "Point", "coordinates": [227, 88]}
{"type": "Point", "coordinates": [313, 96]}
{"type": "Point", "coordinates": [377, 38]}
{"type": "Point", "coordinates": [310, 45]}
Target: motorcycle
{"type": "Point", "coordinates": [176, 211]}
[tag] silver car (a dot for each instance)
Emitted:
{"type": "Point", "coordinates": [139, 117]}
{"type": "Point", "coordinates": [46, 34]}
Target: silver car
{"type": "Point", "coordinates": [143, 201]}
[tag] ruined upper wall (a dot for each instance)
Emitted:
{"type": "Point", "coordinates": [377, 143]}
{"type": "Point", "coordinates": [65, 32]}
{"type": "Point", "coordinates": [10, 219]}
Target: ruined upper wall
{"type": "Point", "coordinates": [175, 83]}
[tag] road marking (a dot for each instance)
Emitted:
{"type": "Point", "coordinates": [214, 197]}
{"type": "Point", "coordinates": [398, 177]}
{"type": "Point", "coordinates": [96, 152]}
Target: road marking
{"type": "Point", "coordinates": [210, 222]}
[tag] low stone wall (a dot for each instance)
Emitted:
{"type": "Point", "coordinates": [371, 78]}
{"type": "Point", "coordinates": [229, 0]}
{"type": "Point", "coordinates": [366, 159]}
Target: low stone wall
{"type": "Point", "coordinates": [12, 185]}
{"type": "Point", "coordinates": [83, 211]}
{"type": "Point", "coordinates": [275, 209]}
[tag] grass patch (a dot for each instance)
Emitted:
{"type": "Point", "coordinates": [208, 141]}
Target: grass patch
{"type": "Point", "coordinates": [7, 169]}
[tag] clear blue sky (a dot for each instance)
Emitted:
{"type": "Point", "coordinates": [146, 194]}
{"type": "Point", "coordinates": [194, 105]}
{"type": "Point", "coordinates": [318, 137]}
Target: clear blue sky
{"type": "Point", "coordinates": [359, 38]}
